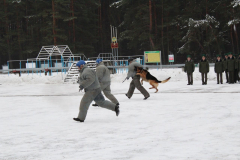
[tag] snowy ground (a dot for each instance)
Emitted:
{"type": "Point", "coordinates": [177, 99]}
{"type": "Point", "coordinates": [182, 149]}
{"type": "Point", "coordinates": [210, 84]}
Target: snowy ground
{"type": "Point", "coordinates": [179, 122]}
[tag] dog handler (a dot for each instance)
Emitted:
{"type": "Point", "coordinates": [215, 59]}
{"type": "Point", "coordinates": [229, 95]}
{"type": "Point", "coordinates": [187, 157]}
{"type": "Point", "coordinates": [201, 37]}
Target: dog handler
{"type": "Point", "coordinates": [89, 82]}
{"type": "Point", "coordinates": [104, 79]}
{"type": "Point", "coordinates": [135, 83]}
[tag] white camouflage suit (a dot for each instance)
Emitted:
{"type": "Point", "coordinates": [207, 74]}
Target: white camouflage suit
{"type": "Point", "coordinates": [104, 79]}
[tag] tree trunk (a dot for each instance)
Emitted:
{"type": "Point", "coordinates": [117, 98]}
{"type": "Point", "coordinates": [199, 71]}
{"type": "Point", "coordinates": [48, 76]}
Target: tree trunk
{"type": "Point", "coordinates": [54, 24]}
{"type": "Point", "coordinates": [232, 39]}
{"type": "Point", "coordinates": [163, 56]}
{"type": "Point", "coordinates": [74, 33]}
{"type": "Point", "coordinates": [150, 26]}
{"type": "Point", "coordinates": [6, 30]}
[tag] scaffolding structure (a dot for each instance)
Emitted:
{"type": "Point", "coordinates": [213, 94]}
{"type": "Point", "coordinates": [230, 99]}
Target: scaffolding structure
{"type": "Point", "coordinates": [47, 52]}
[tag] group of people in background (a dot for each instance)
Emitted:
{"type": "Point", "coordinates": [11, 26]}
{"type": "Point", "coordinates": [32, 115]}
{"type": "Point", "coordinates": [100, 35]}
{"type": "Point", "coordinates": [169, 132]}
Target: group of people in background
{"type": "Point", "coordinates": [230, 65]}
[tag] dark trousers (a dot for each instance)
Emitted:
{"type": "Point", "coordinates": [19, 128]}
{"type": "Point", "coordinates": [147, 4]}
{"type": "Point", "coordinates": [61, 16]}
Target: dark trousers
{"type": "Point", "coordinates": [190, 78]}
{"type": "Point", "coordinates": [219, 75]}
{"type": "Point", "coordinates": [231, 76]}
{"type": "Point", "coordinates": [236, 78]}
{"type": "Point", "coordinates": [136, 84]}
{"type": "Point", "coordinates": [204, 78]}
{"type": "Point", "coordinates": [226, 73]}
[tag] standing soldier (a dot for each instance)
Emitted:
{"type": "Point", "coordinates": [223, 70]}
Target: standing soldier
{"type": "Point", "coordinates": [189, 69]}
{"type": "Point", "coordinates": [204, 69]}
{"type": "Point", "coordinates": [219, 68]}
{"type": "Point", "coordinates": [231, 67]}
{"type": "Point", "coordinates": [104, 79]}
{"type": "Point", "coordinates": [89, 82]}
{"type": "Point", "coordinates": [135, 83]}
{"type": "Point", "coordinates": [225, 66]}
{"type": "Point", "coordinates": [236, 69]}
{"type": "Point", "coordinates": [237, 66]}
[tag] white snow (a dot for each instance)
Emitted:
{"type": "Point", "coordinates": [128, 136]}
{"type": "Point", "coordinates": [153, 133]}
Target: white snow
{"type": "Point", "coordinates": [179, 122]}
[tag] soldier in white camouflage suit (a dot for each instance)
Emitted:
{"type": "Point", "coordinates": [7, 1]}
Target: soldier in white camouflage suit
{"type": "Point", "coordinates": [89, 82]}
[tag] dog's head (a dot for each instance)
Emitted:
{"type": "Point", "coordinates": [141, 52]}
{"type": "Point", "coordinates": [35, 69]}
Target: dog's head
{"type": "Point", "coordinates": [138, 69]}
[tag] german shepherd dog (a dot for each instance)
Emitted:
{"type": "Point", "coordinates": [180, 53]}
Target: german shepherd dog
{"type": "Point", "coordinates": [146, 76]}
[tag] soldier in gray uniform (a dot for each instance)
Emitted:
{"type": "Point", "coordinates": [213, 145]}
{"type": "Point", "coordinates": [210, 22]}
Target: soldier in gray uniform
{"type": "Point", "coordinates": [89, 82]}
{"type": "Point", "coordinates": [104, 79]}
{"type": "Point", "coordinates": [135, 80]}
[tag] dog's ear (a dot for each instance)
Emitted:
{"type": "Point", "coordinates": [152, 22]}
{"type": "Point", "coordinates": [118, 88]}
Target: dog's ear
{"type": "Point", "coordinates": [135, 68]}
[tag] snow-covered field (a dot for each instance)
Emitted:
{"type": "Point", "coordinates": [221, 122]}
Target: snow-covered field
{"type": "Point", "coordinates": [180, 122]}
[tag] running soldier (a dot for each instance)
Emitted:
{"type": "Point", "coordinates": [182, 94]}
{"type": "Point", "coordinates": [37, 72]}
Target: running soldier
{"type": "Point", "coordinates": [89, 82]}
{"type": "Point", "coordinates": [104, 79]}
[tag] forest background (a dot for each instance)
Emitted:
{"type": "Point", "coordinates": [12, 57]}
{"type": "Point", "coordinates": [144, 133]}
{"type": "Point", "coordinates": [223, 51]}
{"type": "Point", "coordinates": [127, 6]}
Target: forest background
{"type": "Point", "coordinates": [178, 27]}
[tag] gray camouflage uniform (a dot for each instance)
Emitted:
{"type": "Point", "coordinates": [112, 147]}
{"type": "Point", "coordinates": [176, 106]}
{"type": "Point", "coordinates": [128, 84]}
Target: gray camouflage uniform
{"type": "Point", "coordinates": [104, 79]}
{"type": "Point", "coordinates": [135, 83]}
{"type": "Point", "coordinates": [89, 81]}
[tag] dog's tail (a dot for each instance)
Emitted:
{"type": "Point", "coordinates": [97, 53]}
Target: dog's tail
{"type": "Point", "coordinates": [164, 81]}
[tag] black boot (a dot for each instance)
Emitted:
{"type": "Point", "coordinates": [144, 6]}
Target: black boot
{"type": "Point", "coordinates": [117, 110]}
{"type": "Point", "coordinates": [77, 119]}
{"type": "Point", "coordinates": [94, 105]}
{"type": "Point", "coordinates": [146, 98]}
{"type": "Point", "coordinates": [127, 96]}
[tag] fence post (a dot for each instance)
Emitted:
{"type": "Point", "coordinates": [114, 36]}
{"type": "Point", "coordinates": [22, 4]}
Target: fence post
{"type": "Point", "coordinates": [32, 67]}
{"type": "Point", "coordinates": [57, 65]}
{"type": "Point", "coordinates": [36, 67]}
{"type": "Point", "coordinates": [27, 67]}
{"type": "Point", "coordinates": [51, 64]}
{"type": "Point", "coordinates": [48, 67]}
{"type": "Point", "coordinates": [20, 68]}
{"type": "Point", "coordinates": [8, 68]}
{"type": "Point", "coordinates": [40, 66]}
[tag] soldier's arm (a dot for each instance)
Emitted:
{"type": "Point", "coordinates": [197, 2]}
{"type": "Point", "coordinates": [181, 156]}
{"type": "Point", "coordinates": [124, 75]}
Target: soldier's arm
{"type": "Point", "coordinates": [200, 66]}
{"type": "Point", "coordinates": [185, 69]}
{"type": "Point", "coordinates": [193, 66]}
{"type": "Point", "coordinates": [100, 73]}
{"type": "Point", "coordinates": [207, 66]}
{"type": "Point", "coordinates": [88, 79]}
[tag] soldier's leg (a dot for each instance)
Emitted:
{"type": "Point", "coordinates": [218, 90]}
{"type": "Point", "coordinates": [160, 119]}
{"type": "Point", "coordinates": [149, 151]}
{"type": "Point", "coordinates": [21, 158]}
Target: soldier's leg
{"type": "Point", "coordinates": [131, 89]}
{"type": "Point", "coordinates": [84, 104]}
{"type": "Point", "coordinates": [205, 78]}
{"type": "Point", "coordinates": [136, 80]}
{"type": "Point", "coordinates": [221, 80]}
{"type": "Point", "coordinates": [226, 73]}
{"type": "Point", "coordinates": [188, 76]}
{"type": "Point", "coordinates": [191, 75]}
{"type": "Point", "coordinates": [100, 100]}
{"type": "Point", "coordinates": [109, 95]}
{"type": "Point", "coordinates": [202, 74]}
{"type": "Point", "coordinates": [231, 79]}
{"type": "Point", "coordinates": [218, 78]}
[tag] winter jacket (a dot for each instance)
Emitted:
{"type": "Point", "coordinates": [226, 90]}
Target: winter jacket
{"type": "Point", "coordinates": [88, 79]}
{"type": "Point", "coordinates": [219, 66]}
{"type": "Point", "coordinates": [231, 64]}
{"type": "Point", "coordinates": [103, 75]}
{"type": "Point", "coordinates": [237, 64]}
{"type": "Point", "coordinates": [131, 69]}
{"type": "Point", "coordinates": [225, 64]}
{"type": "Point", "coordinates": [204, 66]}
{"type": "Point", "coordinates": [189, 66]}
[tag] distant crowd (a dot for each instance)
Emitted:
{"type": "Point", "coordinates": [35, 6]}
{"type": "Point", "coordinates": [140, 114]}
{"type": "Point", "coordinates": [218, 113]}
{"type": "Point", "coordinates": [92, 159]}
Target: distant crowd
{"type": "Point", "coordinates": [230, 65]}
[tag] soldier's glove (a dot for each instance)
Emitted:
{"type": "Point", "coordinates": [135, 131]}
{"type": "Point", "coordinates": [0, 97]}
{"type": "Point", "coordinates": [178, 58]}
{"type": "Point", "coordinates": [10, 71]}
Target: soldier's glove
{"type": "Point", "coordinates": [80, 88]}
